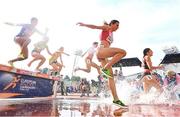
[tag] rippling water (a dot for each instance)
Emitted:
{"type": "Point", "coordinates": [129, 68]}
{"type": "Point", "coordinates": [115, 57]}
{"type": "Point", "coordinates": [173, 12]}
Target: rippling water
{"type": "Point", "coordinates": [83, 107]}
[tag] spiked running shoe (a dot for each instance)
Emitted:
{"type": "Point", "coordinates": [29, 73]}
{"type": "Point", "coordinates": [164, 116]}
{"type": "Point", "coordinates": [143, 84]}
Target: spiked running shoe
{"type": "Point", "coordinates": [120, 104]}
{"type": "Point", "coordinates": [106, 72]}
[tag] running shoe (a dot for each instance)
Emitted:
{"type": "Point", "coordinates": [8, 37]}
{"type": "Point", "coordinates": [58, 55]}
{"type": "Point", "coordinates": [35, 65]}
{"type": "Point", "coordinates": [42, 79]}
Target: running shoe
{"type": "Point", "coordinates": [106, 72]}
{"type": "Point", "coordinates": [11, 63]}
{"type": "Point", "coordinates": [21, 56]}
{"type": "Point", "coordinates": [120, 103]}
{"type": "Point", "coordinates": [76, 69]}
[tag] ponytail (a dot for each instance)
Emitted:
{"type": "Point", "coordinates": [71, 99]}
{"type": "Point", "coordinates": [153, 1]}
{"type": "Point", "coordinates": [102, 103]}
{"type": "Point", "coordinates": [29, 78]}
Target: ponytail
{"type": "Point", "coordinates": [146, 50]}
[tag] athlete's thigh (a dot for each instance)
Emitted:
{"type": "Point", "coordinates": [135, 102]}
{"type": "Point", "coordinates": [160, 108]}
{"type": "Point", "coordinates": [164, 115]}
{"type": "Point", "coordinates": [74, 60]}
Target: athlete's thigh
{"type": "Point", "coordinates": [108, 52]}
{"type": "Point", "coordinates": [88, 63]}
{"type": "Point", "coordinates": [39, 56]}
{"type": "Point", "coordinates": [35, 54]}
{"type": "Point", "coordinates": [54, 66]}
{"type": "Point", "coordinates": [146, 79]}
{"type": "Point", "coordinates": [58, 64]}
{"type": "Point", "coordinates": [154, 81]}
{"type": "Point", "coordinates": [103, 62]}
{"type": "Point", "coordinates": [19, 40]}
{"type": "Point", "coordinates": [26, 43]}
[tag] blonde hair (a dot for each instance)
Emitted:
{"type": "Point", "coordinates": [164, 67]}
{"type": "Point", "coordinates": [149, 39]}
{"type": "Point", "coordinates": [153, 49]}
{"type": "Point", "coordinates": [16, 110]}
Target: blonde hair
{"type": "Point", "coordinates": [170, 73]}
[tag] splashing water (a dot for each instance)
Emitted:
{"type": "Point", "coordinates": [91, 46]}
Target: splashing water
{"type": "Point", "coordinates": [131, 95]}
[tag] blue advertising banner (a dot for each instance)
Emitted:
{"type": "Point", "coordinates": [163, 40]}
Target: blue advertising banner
{"type": "Point", "coordinates": [13, 85]}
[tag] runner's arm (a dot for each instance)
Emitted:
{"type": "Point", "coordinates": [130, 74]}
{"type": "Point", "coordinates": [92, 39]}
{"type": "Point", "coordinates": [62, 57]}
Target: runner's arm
{"type": "Point", "coordinates": [149, 63]}
{"type": "Point", "coordinates": [65, 53]}
{"type": "Point", "coordinates": [84, 53]}
{"type": "Point", "coordinates": [61, 60]}
{"type": "Point", "coordinates": [47, 48]}
{"type": "Point", "coordinates": [104, 27]}
{"type": "Point", "coordinates": [40, 33]}
{"type": "Point", "coordinates": [13, 24]}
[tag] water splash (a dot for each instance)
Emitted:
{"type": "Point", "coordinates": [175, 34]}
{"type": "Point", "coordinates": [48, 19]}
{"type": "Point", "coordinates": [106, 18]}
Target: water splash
{"type": "Point", "coordinates": [130, 94]}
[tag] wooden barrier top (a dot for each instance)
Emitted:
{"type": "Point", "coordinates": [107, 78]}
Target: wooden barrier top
{"type": "Point", "coordinates": [24, 72]}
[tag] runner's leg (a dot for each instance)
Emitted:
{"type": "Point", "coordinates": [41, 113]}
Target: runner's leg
{"type": "Point", "coordinates": [115, 53]}
{"type": "Point", "coordinates": [88, 66]}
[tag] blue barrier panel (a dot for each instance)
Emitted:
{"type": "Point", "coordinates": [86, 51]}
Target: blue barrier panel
{"type": "Point", "coordinates": [14, 85]}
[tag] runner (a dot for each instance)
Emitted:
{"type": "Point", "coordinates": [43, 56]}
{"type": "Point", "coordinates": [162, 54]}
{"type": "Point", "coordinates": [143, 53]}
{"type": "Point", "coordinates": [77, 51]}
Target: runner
{"type": "Point", "coordinates": [23, 38]}
{"type": "Point", "coordinates": [105, 51]}
{"type": "Point", "coordinates": [148, 79]}
{"type": "Point", "coordinates": [53, 60]}
{"type": "Point", "coordinates": [36, 52]}
{"type": "Point", "coordinates": [88, 60]}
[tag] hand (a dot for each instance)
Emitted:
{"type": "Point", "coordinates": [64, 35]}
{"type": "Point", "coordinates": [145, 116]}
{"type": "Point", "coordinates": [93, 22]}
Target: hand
{"type": "Point", "coordinates": [8, 23]}
{"type": "Point", "coordinates": [80, 24]}
{"type": "Point", "coordinates": [68, 55]}
{"type": "Point", "coordinates": [161, 66]}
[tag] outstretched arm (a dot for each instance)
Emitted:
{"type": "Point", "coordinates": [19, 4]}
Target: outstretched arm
{"type": "Point", "coordinates": [47, 48]}
{"type": "Point", "coordinates": [65, 53]}
{"type": "Point", "coordinates": [149, 63]}
{"type": "Point", "coordinates": [41, 33]}
{"type": "Point", "coordinates": [104, 27]}
{"type": "Point", "coordinates": [13, 24]}
{"type": "Point", "coordinates": [84, 53]}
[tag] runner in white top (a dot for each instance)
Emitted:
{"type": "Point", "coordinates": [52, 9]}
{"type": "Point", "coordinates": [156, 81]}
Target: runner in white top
{"type": "Point", "coordinates": [88, 60]}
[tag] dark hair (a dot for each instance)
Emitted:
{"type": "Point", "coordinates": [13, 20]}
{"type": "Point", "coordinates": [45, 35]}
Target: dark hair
{"type": "Point", "coordinates": [146, 50]}
{"type": "Point", "coordinates": [33, 18]}
{"type": "Point", "coordinates": [113, 22]}
{"type": "Point", "coordinates": [95, 43]}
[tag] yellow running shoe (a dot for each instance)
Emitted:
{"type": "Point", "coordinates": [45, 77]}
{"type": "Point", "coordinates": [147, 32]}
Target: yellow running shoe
{"type": "Point", "coordinates": [21, 56]}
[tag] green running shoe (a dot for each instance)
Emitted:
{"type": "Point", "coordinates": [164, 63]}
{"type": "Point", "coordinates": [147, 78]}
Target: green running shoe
{"type": "Point", "coordinates": [106, 72]}
{"type": "Point", "coordinates": [120, 103]}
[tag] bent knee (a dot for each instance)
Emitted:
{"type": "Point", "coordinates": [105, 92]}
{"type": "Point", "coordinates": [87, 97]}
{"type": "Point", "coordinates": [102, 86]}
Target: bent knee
{"type": "Point", "coordinates": [101, 59]}
{"type": "Point", "coordinates": [43, 59]}
{"type": "Point", "coordinates": [124, 53]}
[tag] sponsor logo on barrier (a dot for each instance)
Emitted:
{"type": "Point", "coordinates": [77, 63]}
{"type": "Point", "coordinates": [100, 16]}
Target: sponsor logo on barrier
{"type": "Point", "coordinates": [13, 83]}
{"type": "Point", "coordinates": [27, 84]}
